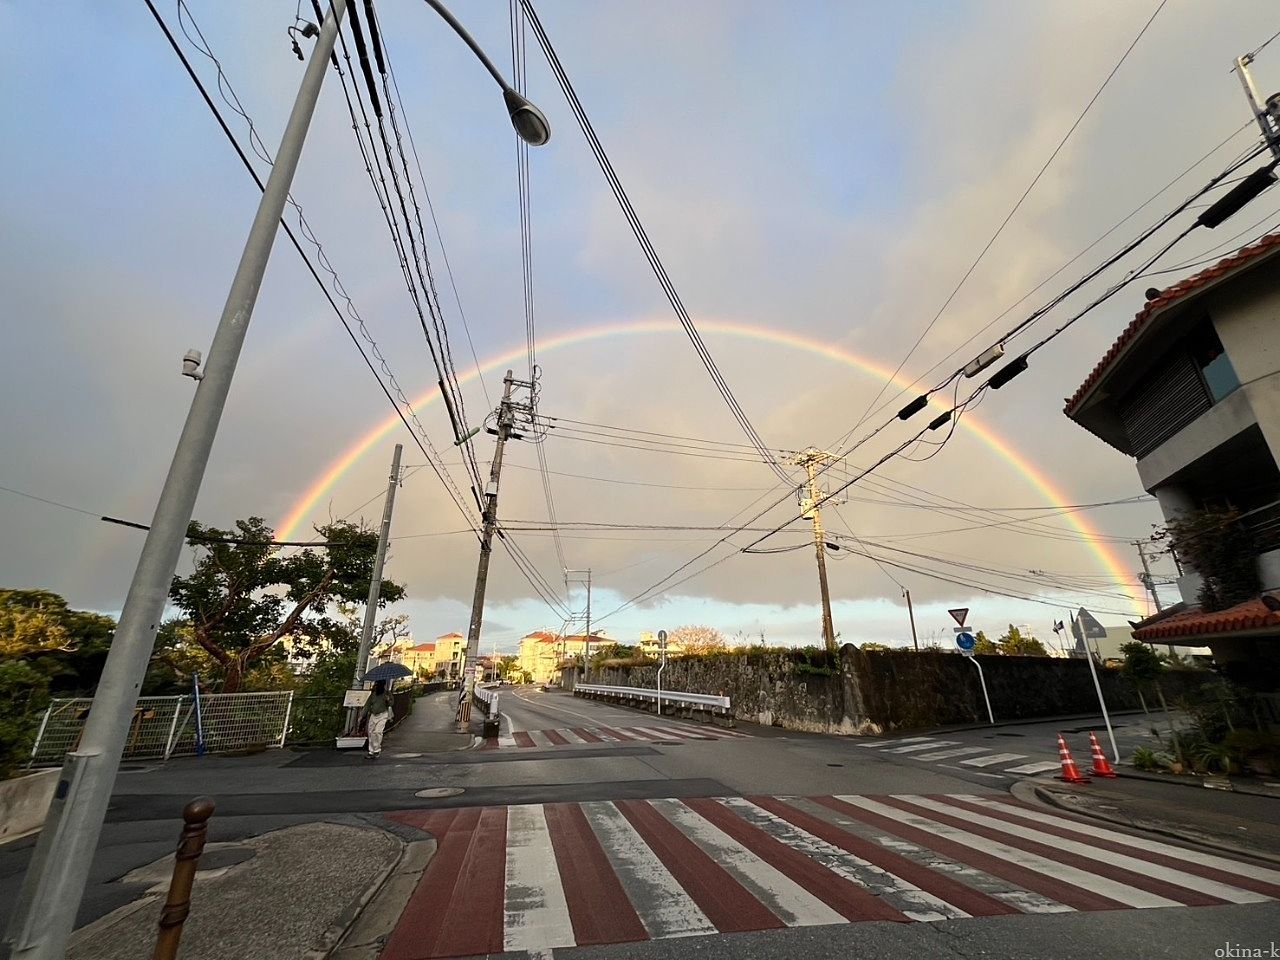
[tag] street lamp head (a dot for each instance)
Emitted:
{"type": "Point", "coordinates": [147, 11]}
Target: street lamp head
{"type": "Point", "coordinates": [528, 120]}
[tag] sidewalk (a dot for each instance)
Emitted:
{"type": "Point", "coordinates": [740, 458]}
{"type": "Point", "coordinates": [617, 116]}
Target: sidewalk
{"type": "Point", "coordinates": [287, 894]}
{"type": "Point", "coordinates": [1239, 824]}
{"type": "Point", "coordinates": [429, 728]}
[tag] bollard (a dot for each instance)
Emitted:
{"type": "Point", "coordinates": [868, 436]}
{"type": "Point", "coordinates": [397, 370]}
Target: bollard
{"type": "Point", "coordinates": [177, 904]}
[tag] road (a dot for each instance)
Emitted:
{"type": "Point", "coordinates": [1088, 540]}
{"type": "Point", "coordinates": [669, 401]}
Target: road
{"type": "Point", "coordinates": [625, 836]}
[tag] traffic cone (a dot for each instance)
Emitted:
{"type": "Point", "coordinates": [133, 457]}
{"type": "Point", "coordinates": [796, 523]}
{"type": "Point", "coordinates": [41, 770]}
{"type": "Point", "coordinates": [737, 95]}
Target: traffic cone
{"type": "Point", "coordinates": [1100, 768]}
{"type": "Point", "coordinates": [1069, 772]}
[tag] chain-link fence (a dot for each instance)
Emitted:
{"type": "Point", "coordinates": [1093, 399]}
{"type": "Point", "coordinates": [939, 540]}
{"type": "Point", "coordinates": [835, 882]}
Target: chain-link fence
{"type": "Point", "coordinates": [163, 727]}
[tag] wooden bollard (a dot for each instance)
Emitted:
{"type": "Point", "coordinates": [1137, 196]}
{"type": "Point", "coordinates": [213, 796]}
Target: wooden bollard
{"type": "Point", "coordinates": [195, 817]}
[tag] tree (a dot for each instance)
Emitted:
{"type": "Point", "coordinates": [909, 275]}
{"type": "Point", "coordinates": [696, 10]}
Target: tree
{"type": "Point", "coordinates": [67, 646]}
{"type": "Point", "coordinates": [243, 597]}
{"type": "Point", "coordinates": [872, 645]}
{"type": "Point", "coordinates": [1014, 644]}
{"type": "Point", "coordinates": [982, 644]}
{"type": "Point", "coordinates": [1222, 550]}
{"type": "Point", "coordinates": [697, 639]}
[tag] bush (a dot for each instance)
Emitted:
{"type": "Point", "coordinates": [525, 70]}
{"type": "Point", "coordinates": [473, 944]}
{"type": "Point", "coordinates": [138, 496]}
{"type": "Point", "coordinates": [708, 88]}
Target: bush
{"type": "Point", "coordinates": [24, 694]}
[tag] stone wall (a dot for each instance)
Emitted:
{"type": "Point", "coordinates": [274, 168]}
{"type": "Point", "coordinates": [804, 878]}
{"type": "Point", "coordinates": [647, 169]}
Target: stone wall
{"type": "Point", "coordinates": [764, 688]}
{"type": "Point", "coordinates": [888, 690]}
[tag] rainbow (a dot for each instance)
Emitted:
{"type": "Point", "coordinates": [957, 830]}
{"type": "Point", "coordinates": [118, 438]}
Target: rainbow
{"type": "Point", "coordinates": [1106, 556]}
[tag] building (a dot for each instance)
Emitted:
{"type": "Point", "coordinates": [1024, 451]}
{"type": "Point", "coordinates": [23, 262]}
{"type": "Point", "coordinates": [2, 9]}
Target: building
{"type": "Point", "coordinates": [1191, 391]}
{"type": "Point", "coordinates": [648, 645]}
{"type": "Point", "coordinates": [451, 649]}
{"type": "Point", "coordinates": [542, 652]}
{"type": "Point", "coordinates": [420, 658]}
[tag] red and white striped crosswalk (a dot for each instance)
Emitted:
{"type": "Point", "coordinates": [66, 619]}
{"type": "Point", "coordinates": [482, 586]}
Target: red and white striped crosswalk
{"type": "Point", "coordinates": [544, 876]}
{"type": "Point", "coordinates": [589, 736]}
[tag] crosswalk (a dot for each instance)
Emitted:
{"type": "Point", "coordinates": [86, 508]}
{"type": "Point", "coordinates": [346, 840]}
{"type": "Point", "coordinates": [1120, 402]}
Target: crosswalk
{"type": "Point", "coordinates": [589, 736]}
{"type": "Point", "coordinates": [951, 752]}
{"type": "Point", "coordinates": [544, 876]}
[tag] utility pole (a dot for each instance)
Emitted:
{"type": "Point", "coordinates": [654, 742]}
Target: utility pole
{"type": "Point", "coordinates": [375, 586]}
{"type": "Point", "coordinates": [1267, 114]}
{"type": "Point", "coordinates": [809, 459]}
{"type": "Point", "coordinates": [506, 419]}
{"type": "Point", "coordinates": [912, 614]}
{"type": "Point", "coordinates": [1147, 581]}
{"type": "Point", "coordinates": [45, 913]}
{"type": "Point", "coordinates": [586, 656]}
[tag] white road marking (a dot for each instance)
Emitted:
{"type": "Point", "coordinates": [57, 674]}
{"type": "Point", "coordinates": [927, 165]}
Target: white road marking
{"type": "Point", "coordinates": [650, 732]}
{"type": "Point", "coordinates": [1139, 843]}
{"type": "Point", "coordinates": [880, 743]}
{"type": "Point", "coordinates": [907, 897]}
{"type": "Point", "coordinates": [1120, 892]}
{"type": "Point", "coordinates": [507, 739]}
{"type": "Point", "coordinates": [928, 745]}
{"type": "Point", "coordinates": [661, 903]}
{"type": "Point", "coordinates": [1141, 867]}
{"type": "Point", "coordinates": [948, 754]}
{"type": "Point", "coordinates": [535, 914]}
{"type": "Point", "coordinates": [992, 760]}
{"type": "Point", "coordinates": [539, 738]}
{"type": "Point", "coordinates": [1043, 767]}
{"type": "Point", "coordinates": [789, 901]}
{"type": "Point", "coordinates": [570, 735]}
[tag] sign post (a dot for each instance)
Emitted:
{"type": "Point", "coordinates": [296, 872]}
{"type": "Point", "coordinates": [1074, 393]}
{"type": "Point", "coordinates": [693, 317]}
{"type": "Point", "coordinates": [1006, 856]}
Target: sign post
{"type": "Point", "coordinates": [966, 641]}
{"type": "Point", "coordinates": [662, 650]}
{"type": "Point", "coordinates": [1086, 627]}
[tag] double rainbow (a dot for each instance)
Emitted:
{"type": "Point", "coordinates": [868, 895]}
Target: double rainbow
{"type": "Point", "coordinates": [307, 503]}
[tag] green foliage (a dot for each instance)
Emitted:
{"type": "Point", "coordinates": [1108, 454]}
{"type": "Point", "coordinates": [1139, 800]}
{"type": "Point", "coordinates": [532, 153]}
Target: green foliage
{"type": "Point", "coordinates": [871, 645]}
{"type": "Point", "coordinates": [1141, 664]}
{"type": "Point", "coordinates": [815, 661]}
{"type": "Point", "coordinates": [67, 646]}
{"type": "Point", "coordinates": [983, 644]}
{"type": "Point", "coordinates": [1222, 550]}
{"type": "Point", "coordinates": [1144, 758]}
{"type": "Point", "coordinates": [243, 597]}
{"type": "Point", "coordinates": [24, 693]}
{"type": "Point", "coordinates": [1014, 644]}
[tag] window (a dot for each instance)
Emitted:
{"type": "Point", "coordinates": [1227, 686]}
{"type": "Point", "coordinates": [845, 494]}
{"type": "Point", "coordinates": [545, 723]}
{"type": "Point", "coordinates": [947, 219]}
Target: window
{"type": "Point", "coordinates": [1215, 367]}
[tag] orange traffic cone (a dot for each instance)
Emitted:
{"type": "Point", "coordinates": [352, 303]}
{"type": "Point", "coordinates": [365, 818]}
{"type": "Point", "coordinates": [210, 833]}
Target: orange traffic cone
{"type": "Point", "coordinates": [1069, 772]}
{"type": "Point", "coordinates": [1100, 768]}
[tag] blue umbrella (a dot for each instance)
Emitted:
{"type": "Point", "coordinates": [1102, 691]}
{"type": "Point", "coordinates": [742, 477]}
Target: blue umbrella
{"type": "Point", "coordinates": [388, 671]}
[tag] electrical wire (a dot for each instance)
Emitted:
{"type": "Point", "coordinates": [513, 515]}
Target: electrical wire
{"type": "Point", "coordinates": [1016, 207]}
{"type": "Point", "coordinates": [646, 245]}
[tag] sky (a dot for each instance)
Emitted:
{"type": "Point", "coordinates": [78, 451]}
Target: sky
{"type": "Point", "coordinates": [816, 177]}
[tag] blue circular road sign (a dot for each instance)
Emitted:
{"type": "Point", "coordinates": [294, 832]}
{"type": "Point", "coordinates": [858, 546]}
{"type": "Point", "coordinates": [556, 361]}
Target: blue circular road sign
{"type": "Point", "coordinates": [965, 641]}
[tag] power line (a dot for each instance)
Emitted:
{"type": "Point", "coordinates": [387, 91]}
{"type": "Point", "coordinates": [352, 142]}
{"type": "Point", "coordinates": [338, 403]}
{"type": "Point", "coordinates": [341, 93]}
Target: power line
{"type": "Point", "coordinates": [646, 245]}
{"type": "Point", "coordinates": [1016, 207]}
{"type": "Point", "coordinates": [418, 436]}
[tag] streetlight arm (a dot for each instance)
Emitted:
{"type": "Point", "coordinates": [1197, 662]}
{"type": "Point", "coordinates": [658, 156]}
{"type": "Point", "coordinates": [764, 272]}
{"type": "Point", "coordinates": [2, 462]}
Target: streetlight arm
{"type": "Point", "coordinates": [469, 40]}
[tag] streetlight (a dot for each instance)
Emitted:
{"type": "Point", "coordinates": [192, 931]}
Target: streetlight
{"type": "Point", "coordinates": [42, 921]}
{"type": "Point", "coordinates": [529, 121]}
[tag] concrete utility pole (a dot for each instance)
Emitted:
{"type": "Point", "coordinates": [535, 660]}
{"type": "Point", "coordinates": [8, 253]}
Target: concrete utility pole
{"type": "Point", "coordinates": [1147, 581]}
{"type": "Point", "coordinates": [809, 459]}
{"type": "Point", "coordinates": [375, 587]}
{"type": "Point", "coordinates": [912, 614]}
{"type": "Point", "coordinates": [46, 910]}
{"type": "Point", "coordinates": [506, 418]}
{"type": "Point", "coordinates": [1267, 114]}
{"type": "Point", "coordinates": [586, 655]}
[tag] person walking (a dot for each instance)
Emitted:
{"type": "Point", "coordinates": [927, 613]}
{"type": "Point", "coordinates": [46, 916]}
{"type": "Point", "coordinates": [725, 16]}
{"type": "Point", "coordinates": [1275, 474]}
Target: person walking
{"type": "Point", "coordinates": [377, 711]}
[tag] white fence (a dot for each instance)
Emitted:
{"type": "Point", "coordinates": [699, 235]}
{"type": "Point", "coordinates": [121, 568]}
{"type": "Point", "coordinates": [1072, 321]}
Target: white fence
{"type": "Point", "coordinates": [164, 727]}
{"type": "Point", "coordinates": [489, 697]}
{"type": "Point", "coordinates": [645, 693]}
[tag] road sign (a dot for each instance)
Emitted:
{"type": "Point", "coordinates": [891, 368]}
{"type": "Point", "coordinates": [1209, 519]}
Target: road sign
{"type": "Point", "coordinates": [959, 614]}
{"type": "Point", "coordinates": [662, 638]}
{"type": "Point", "coordinates": [966, 642]}
{"type": "Point", "coordinates": [1089, 625]}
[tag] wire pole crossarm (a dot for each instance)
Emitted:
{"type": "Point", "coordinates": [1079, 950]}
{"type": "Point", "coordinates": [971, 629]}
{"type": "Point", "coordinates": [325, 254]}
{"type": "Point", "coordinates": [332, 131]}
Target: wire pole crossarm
{"type": "Point", "coordinates": [809, 459]}
{"type": "Point", "coordinates": [54, 885]}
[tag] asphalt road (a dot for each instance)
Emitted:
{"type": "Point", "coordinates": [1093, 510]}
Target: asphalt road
{"type": "Point", "coordinates": [683, 844]}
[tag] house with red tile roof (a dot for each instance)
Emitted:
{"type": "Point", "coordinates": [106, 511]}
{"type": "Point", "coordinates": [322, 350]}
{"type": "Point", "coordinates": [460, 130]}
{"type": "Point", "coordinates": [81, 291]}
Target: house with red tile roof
{"type": "Point", "coordinates": [1191, 390]}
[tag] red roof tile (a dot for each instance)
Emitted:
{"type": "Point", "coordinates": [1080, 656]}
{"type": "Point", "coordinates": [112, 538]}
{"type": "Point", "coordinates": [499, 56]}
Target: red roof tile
{"type": "Point", "coordinates": [1169, 296]}
{"type": "Point", "coordinates": [1250, 615]}
{"type": "Point", "coordinates": [424, 647]}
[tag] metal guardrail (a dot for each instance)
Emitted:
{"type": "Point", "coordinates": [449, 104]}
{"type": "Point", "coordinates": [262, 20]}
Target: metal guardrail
{"type": "Point", "coordinates": [489, 697]}
{"type": "Point", "coordinates": [645, 693]}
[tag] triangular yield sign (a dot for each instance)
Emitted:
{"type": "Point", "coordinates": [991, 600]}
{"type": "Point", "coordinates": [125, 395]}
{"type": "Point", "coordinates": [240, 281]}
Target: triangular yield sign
{"type": "Point", "coordinates": [959, 614]}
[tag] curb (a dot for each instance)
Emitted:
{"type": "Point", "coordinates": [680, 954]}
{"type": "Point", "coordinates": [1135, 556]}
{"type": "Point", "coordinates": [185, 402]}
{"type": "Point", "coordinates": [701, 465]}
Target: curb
{"type": "Point", "coordinates": [1049, 798]}
{"type": "Point", "coordinates": [361, 932]}
{"type": "Point", "coordinates": [1016, 723]}
{"type": "Point", "coordinates": [1194, 780]}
